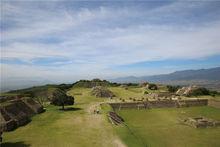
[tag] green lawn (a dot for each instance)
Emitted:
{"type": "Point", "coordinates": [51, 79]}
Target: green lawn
{"type": "Point", "coordinates": [132, 92]}
{"type": "Point", "coordinates": [80, 128]}
{"type": "Point", "coordinates": [160, 127]}
{"type": "Point", "coordinates": [126, 94]}
{"type": "Point", "coordinates": [55, 128]}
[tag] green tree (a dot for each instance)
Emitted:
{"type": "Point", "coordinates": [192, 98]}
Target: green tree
{"type": "Point", "coordinates": [59, 98]}
{"type": "Point", "coordinates": [172, 88]}
{"type": "Point", "coordinates": [152, 86]}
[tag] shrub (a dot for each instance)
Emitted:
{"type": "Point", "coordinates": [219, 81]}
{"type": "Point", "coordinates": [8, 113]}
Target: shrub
{"type": "Point", "coordinates": [199, 91]}
{"type": "Point", "coordinates": [152, 86]}
{"type": "Point", "coordinates": [172, 88]}
{"type": "Point", "coordinates": [132, 84]}
{"type": "Point", "coordinates": [214, 93]}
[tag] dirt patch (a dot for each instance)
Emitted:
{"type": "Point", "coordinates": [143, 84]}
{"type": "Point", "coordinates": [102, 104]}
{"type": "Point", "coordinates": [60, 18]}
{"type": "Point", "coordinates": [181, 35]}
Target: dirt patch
{"type": "Point", "coordinates": [119, 143]}
{"type": "Point", "coordinates": [98, 122]}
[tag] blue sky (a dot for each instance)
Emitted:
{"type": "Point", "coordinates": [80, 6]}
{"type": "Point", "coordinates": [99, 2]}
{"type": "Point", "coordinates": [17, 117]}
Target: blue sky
{"type": "Point", "coordinates": [65, 41]}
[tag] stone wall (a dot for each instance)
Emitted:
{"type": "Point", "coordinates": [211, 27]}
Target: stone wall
{"type": "Point", "coordinates": [214, 103]}
{"type": "Point", "coordinates": [193, 102]}
{"type": "Point", "coordinates": [17, 113]}
{"type": "Point", "coordinates": [159, 104]}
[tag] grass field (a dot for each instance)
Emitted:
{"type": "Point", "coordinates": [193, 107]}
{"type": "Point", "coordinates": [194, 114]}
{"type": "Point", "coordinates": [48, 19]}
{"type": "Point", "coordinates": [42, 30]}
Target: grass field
{"type": "Point", "coordinates": [131, 92]}
{"type": "Point", "coordinates": [79, 127]}
{"type": "Point", "coordinates": [160, 127]}
{"type": "Point", "coordinates": [55, 128]}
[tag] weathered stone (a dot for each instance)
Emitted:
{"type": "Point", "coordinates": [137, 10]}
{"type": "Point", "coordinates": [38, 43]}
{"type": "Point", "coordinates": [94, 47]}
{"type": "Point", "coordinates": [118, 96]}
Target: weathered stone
{"type": "Point", "coordinates": [99, 91]}
{"type": "Point", "coordinates": [200, 122]}
{"type": "Point", "coordinates": [17, 113]}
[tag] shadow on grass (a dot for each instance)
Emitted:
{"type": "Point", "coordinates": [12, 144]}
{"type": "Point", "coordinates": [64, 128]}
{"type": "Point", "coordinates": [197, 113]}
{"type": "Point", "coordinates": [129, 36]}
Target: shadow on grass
{"type": "Point", "coordinates": [14, 144]}
{"type": "Point", "coordinates": [71, 109]}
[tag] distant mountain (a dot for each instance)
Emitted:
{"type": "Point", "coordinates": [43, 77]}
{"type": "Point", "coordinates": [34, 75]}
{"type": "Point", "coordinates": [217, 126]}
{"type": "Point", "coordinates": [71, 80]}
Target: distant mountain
{"type": "Point", "coordinates": [201, 74]}
{"type": "Point", "coordinates": [21, 83]}
{"type": "Point", "coordinates": [209, 78]}
{"type": "Point", "coordinates": [129, 79]}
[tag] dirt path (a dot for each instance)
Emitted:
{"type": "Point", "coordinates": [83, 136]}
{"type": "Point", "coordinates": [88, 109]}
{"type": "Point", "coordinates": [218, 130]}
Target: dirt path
{"type": "Point", "coordinates": [119, 143]}
{"type": "Point", "coordinates": [93, 106]}
{"type": "Point", "coordinates": [98, 121]}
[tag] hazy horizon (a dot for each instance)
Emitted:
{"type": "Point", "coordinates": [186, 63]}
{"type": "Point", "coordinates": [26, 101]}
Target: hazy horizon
{"type": "Point", "coordinates": [64, 41]}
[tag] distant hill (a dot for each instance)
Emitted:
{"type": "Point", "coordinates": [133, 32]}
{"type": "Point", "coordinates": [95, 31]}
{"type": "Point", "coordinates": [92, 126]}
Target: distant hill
{"type": "Point", "coordinates": [209, 78]}
{"type": "Point", "coordinates": [93, 83]}
{"type": "Point", "coordinates": [45, 90]}
{"type": "Point", "coordinates": [21, 83]}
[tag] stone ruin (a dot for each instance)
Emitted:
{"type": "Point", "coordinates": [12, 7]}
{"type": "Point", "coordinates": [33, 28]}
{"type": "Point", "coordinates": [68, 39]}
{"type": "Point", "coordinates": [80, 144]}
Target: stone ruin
{"type": "Point", "coordinates": [160, 103]}
{"type": "Point", "coordinates": [186, 91]}
{"type": "Point", "coordinates": [161, 95]}
{"type": "Point", "coordinates": [100, 91]}
{"type": "Point", "coordinates": [115, 118]}
{"type": "Point", "coordinates": [16, 113]}
{"type": "Point", "coordinates": [214, 103]}
{"type": "Point", "coordinates": [201, 122]}
{"type": "Point", "coordinates": [143, 84]}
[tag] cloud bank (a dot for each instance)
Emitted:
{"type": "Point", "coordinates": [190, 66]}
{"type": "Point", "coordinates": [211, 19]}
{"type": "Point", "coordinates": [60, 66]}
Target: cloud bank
{"type": "Point", "coordinates": [66, 41]}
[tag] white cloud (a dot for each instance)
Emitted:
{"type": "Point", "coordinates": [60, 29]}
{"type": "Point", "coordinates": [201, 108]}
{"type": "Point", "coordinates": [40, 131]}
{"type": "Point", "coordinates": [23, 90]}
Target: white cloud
{"type": "Point", "coordinates": [96, 39]}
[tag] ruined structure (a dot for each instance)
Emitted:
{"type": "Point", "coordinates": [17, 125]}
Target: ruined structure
{"type": "Point", "coordinates": [214, 103]}
{"type": "Point", "coordinates": [166, 103]}
{"type": "Point", "coordinates": [16, 113]}
{"type": "Point", "coordinates": [161, 95]}
{"type": "Point", "coordinates": [99, 91]}
{"type": "Point", "coordinates": [185, 90]}
{"type": "Point", "coordinates": [143, 84]}
{"type": "Point", "coordinates": [192, 91]}
{"type": "Point", "coordinates": [115, 118]}
{"type": "Point", "coordinates": [201, 122]}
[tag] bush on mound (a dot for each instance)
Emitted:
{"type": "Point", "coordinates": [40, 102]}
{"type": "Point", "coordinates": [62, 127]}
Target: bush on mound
{"type": "Point", "coordinates": [152, 86]}
{"type": "Point", "coordinates": [100, 91]}
{"type": "Point", "coordinates": [192, 91]}
{"type": "Point", "coordinates": [199, 91]}
{"type": "Point", "coordinates": [172, 88]}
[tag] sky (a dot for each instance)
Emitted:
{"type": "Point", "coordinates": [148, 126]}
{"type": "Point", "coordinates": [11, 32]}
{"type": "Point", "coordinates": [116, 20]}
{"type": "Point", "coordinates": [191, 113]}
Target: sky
{"type": "Point", "coordinates": [64, 41]}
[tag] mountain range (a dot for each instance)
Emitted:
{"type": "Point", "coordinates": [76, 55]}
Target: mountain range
{"type": "Point", "coordinates": [209, 78]}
